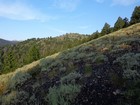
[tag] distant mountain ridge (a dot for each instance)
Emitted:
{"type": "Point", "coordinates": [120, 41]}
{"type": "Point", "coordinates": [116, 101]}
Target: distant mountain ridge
{"type": "Point", "coordinates": [4, 42]}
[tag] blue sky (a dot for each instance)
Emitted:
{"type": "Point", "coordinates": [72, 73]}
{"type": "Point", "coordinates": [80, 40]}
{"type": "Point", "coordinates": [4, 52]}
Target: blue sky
{"type": "Point", "coordinates": [23, 19]}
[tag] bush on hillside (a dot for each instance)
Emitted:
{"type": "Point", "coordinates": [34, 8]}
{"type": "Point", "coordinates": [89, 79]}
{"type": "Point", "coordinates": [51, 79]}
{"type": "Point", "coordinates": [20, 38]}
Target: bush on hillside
{"type": "Point", "coordinates": [14, 98]}
{"type": "Point", "coordinates": [130, 63]}
{"type": "Point", "coordinates": [45, 63]}
{"type": "Point", "coordinates": [62, 95]}
{"type": "Point", "coordinates": [18, 79]}
{"type": "Point", "coordinates": [70, 78]}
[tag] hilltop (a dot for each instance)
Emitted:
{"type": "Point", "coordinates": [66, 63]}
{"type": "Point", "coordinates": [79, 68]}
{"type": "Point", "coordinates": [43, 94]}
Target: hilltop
{"type": "Point", "coordinates": [103, 71]}
{"type": "Point", "coordinates": [6, 42]}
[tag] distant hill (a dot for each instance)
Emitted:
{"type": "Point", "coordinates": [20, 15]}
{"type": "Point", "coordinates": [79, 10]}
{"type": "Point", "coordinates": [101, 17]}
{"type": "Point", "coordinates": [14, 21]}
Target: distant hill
{"type": "Point", "coordinates": [6, 42]}
{"type": "Point", "coordinates": [103, 71]}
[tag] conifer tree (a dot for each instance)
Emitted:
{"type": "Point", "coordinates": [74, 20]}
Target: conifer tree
{"type": "Point", "coordinates": [120, 23]}
{"type": "Point", "coordinates": [126, 22]}
{"type": "Point", "coordinates": [135, 18]}
{"type": "Point", "coordinates": [106, 29]}
{"type": "Point", "coordinates": [95, 35]}
{"type": "Point", "coordinates": [33, 54]}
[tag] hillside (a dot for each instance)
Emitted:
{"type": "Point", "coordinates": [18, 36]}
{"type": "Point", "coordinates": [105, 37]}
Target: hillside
{"type": "Point", "coordinates": [104, 71]}
{"type": "Point", "coordinates": [6, 42]}
{"type": "Point", "coordinates": [25, 52]}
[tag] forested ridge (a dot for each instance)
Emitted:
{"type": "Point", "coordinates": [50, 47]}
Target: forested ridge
{"type": "Point", "coordinates": [25, 52]}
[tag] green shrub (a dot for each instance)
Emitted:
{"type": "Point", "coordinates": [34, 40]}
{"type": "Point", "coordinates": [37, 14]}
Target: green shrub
{"type": "Point", "coordinates": [18, 78]}
{"type": "Point", "coordinates": [44, 63]}
{"type": "Point", "coordinates": [48, 64]}
{"type": "Point", "coordinates": [129, 63]}
{"type": "Point", "coordinates": [70, 78]}
{"type": "Point", "coordinates": [62, 69]}
{"type": "Point", "coordinates": [71, 55]}
{"type": "Point", "coordinates": [10, 98]}
{"type": "Point", "coordinates": [57, 63]}
{"type": "Point", "coordinates": [62, 95]}
{"type": "Point", "coordinates": [33, 100]}
{"type": "Point", "coordinates": [34, 71]}
{"type": "Point", "coordinates": [85, 48]}
{"type": "Point", "coordinates": [132, 94]}
{"type": "Point", "coordinates": [100, 59]}
{"type": "Point", "coordinates": [14, 98]}
{"type": "Point", "coordinates": [80, 56]}
{"type": "Point", "coordinates": [88, 69]}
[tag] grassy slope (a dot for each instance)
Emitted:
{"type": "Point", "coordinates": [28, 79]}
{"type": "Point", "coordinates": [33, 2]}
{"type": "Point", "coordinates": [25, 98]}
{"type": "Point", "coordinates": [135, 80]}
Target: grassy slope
{"type": "Point", "coordinates": [100, 68]}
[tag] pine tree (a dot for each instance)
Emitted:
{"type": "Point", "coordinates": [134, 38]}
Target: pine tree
{"type": "Point", "coordinates": [9, 63]}
{"type": "Point", "coordinates": [95, 35]}
{"type": "Point", "coordinates": [0, 61]}
{"type": "Point", "coordinates": [106, 29]}
{"type": "Point", "coordinates": [126, 22]}
{"type": "Point", "coordinates": [120, 23]}
{"type": "Point", "coordinates": [135, 18]}
{"type": "Point", "coordinates": [33, 54]}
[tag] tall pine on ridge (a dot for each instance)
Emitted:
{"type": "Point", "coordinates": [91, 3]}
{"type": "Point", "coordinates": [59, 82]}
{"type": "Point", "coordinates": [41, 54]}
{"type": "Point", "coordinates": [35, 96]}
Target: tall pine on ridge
{"type": "Point", "coordinates": [135, 16]}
